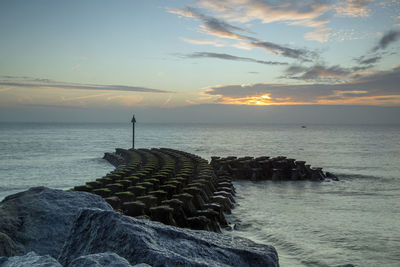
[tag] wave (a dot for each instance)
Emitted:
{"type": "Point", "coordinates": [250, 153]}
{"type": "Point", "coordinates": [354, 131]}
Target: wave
{"type": "Point", "coordinates": [355, 176]}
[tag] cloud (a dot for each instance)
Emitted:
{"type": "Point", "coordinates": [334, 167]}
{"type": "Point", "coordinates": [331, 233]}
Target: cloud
{"type": "Point", "coordinates": [317, 73]}
{"type": "Point", "coordinates": [215, 43]}
{"type": "Point", "coordinates": [219, 28]}
{"type": "Point", "coordinates": [231, 57]}
{"type": "Point", "coordinates": [303, 13]}
{"type": "Point", "coordinates": [387, 39]}
{"type": "Point", "coordinates": [211, 25]}
{"type": "Point", "coordinates": [376, 88]}
{"type": "Point", "coordinates": [276, 49]}
{"type": "Point", "coordinates": [45, 83]}
{"type": "Point", "coordinates": [369, 60]}
{"type": "Point", "coordinates": [353, 8]}
{"type": "Point", "coordinates": [15, 77]}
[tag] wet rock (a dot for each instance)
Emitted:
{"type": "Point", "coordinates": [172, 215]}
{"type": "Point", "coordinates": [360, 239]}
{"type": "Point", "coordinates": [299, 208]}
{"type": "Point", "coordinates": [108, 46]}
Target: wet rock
{"type": "Point", "coordinates": [225, 194]}
{"type": "Point", "coordinates": [178, 213]}
{"type": "Point", "coordinates": [162, 214]}
{"type": "Point", "coordinates": [199, 223]}
{"type": "Point", "coordinates": [31, 259]}
{"type": "Point", "coordinates": [317, 174]}
{"type": "Point", "coordinates": [213, 216]}
{"type": "Point", "coordinates": [114, 201]}
{"type": "Point", "coordinates": [140, 241]}
{"type": "Point", "coordinates": [134, 208]}
{"type": "Point", "coordinates": [8, 247]}
{"type": "Point", "coordinates": [224, 202]}
{"type": "Point", "coordinates": [331, 176]}
{"type": "Point", "coordinates": [40, 218]}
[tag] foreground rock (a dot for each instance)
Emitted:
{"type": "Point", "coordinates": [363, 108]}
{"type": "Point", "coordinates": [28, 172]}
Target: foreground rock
{"type": "Point", "coordinates": [150, 242]}
{"type": "Point", "coordinates": [107, 259]}
{"type": "Point", "coordinates": [40, 219]}
{"type": "Point", "coordinates": [31, 259]}
{"type": "Point", "coordinates": [80, 229]}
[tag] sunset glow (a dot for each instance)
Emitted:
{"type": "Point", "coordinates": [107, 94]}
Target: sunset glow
{"type": "Point", "coordinates": [186, 53]}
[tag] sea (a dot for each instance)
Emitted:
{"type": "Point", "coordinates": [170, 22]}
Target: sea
{"type": "Point", "coordinates": [352, 221]}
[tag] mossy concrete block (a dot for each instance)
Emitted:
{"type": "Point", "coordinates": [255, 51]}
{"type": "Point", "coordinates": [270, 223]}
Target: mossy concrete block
{"type": "Point", "coordinates": [125, 196]}
{"type": "Point", "coordinates": [83, 188]}
{"type": "Point", "coordinates": [133, 208]}
{"type": "Point", "coordinates": [114, 201]}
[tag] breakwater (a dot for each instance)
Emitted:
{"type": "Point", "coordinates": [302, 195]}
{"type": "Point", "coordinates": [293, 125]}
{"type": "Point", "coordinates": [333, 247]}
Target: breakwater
{"type": "Point", "coordinates": [182, 189]}
{"type": "Point", "coordinates": [267, 168]}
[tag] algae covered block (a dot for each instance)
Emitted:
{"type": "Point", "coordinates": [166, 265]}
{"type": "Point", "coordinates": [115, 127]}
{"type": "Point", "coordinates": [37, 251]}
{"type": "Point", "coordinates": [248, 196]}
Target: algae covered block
{"type": "Point", "coordinates": [126, 182]}
{"type": "Point", "coordinates": [103, 192]}
{"type": "Point", "coordinates": [133, 208]}
{"type": "Point", "coordinates": [116, 187]}
{"type": "Point", "coordinates": [114, 201]}
{"type": "Point", "coordinates": [137, 190]}
{"type": "Point", "coordinates": [85, 188]}
{"type": "Point", "coordinates": [125, 196]}
{"type": "Point", "coordinates": [95, 184]}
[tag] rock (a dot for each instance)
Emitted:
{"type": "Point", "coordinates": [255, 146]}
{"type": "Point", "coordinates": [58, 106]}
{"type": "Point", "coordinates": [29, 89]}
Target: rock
{"type": "Point", "coordinates": [8, 247]}
{"type": "Point", "coordinates": [107, 259]}
{"type": "Point", "coordinates": [140, 241]}
{"type": "Point", "coordinates": [31, 259]}
{"type": "Point", "coordinates": [40, 219]}
{"type": "Point", "coordinates": [331, 176]}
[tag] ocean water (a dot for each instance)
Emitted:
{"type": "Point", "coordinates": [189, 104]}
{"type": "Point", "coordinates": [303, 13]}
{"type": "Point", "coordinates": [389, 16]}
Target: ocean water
{"type": "Point", "coordinates": [355, 220]}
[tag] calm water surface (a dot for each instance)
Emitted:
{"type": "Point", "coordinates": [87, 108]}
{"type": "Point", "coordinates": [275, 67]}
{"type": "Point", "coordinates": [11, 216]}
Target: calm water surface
{"type": "Point", "coordinates": [355, 220]}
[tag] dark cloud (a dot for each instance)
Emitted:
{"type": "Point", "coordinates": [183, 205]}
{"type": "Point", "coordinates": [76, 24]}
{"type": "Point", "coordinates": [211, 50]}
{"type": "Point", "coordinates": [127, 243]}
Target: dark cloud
{"type": "Point", "coordinates": [385, 83]}
{"type": "Point", "coordinates": [361, 68]}
{"type": "Point", "coordinates": [376, 54]}
{"type": "Point", "coordinates": [317, 73]}
{"type": "Point", "coordinates": [301, 54]}
{"type": "Point", "coordinates": [369, 60]}
{"type": "Point", "coordinates": [15, 77]}
{"type": "Point", "coordinates": [231, 57]}
{"type": "Point", "coordinates": [223, 29]}
{"type": "Point", "coordinates": [215, 26]}
{"type": "Point", "coordinates": [387, 39]}
{"type": "Point", "coordinates": [45, 83]}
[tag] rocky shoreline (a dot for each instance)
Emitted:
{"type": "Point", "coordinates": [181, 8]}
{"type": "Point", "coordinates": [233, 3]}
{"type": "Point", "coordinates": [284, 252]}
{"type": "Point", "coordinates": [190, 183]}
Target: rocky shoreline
{"type": "Point", "coordinates": [147, 212]}
{"type": "Point", "coordinates": [48, 227]}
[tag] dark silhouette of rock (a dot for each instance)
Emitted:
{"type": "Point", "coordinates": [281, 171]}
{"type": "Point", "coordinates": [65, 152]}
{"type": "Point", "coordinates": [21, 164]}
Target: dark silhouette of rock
{"type": "Point", "coordinates": [138, 241]}
{"type": "Point", "coordinates": [331, 176]}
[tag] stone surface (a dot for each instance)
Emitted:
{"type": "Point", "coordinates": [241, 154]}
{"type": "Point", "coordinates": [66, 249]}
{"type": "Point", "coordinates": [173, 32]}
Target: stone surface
{"type": "Point", "coordinates": [107, 259]}
{"type": "Point", "coordinates": [8, 247]}
{"type": "Point", "coordinates": [31, 259]}
{"type": "Point", "coordinates": [40, 219]}
{"type": "Point", "coordinates": [141, 241]}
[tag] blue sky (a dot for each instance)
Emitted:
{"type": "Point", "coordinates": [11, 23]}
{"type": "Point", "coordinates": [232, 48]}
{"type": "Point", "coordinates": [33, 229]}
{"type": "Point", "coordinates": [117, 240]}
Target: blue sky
{"type": "Point", "coordinates": [131, 54]}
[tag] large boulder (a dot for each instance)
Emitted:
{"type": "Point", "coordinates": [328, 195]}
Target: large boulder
{"type": "Point", "coordinates": [31, 259]}
{"type": "Point", "coordinates": [40, 219]}
{"type": "Point", "coordinates": [141, 241]}
{"type": "Point", "coordinates": [107, 259]}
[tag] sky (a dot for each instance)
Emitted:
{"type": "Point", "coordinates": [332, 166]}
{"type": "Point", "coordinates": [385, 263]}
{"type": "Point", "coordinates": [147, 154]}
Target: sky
{"type": "Point", "coordinates": [96, 59]}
